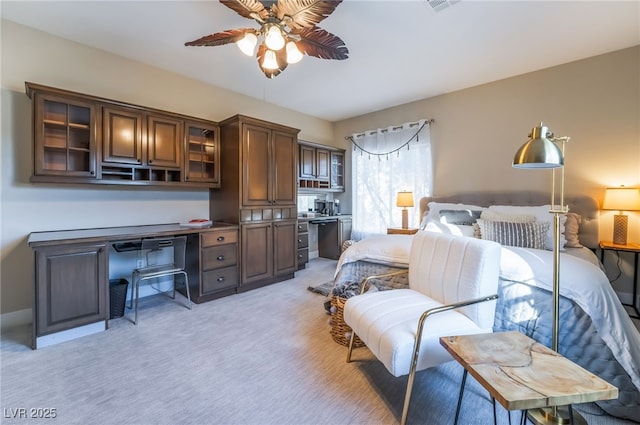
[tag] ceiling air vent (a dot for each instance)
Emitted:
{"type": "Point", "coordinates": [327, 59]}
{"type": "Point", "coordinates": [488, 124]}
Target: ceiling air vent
{"type": "Point", "coordinates": [439, 5]}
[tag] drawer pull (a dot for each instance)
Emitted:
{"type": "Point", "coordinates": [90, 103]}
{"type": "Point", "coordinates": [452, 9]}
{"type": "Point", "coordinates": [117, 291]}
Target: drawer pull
{"type": "Point", "coordinates": [221, 279]}
{"type": "Point", "coordinates": [220, 257]}
{"type": "Point", "coordinates": [299, 240]}
{"type": "Point", "coordinates": [220, 238]}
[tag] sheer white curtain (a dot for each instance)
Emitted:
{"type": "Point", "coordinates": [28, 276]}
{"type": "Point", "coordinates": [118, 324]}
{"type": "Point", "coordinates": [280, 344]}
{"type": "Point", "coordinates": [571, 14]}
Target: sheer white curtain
{"type": "Point", "coordinates": [385, 162]}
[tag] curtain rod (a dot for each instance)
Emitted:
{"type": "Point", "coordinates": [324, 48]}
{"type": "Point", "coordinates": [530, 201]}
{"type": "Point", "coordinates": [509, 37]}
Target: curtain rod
{"type": "Point", "coordinates": [385, 130]}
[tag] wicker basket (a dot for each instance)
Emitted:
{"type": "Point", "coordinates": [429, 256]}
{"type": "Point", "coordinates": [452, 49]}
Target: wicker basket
{"type": "Point", "coordinates": [340, 332]}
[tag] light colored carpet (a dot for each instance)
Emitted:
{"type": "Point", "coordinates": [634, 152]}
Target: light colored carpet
{"type": "Point", "coordinates": [261, 357]}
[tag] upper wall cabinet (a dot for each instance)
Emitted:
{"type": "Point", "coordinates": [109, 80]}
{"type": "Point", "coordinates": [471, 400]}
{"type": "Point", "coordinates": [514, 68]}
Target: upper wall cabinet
{"type": "Point", "coordinates": [64, 137]}
{"type": "Point", "coordinates": [84, 139]}
{"type": "Point", "coordinates": [320, 168]}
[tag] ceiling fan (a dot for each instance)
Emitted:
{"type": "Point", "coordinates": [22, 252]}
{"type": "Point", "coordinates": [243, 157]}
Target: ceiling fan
{"type": "Point", "coordinates": [288, 29]}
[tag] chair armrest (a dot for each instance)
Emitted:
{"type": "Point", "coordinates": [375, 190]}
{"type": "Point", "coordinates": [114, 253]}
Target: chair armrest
{"type": "Point", "coordinates": [365, 281]}
{"type": "Point", "coordinates": [442, 309]}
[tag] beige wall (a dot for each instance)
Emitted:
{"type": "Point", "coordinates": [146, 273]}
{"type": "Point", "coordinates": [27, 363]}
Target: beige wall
{"type": "Point", "coordinates": [595, 101]}
{"type": "Point", "coordinates": [29, 55]}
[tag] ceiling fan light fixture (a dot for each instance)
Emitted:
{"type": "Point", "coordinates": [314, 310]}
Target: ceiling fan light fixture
{"type": "Point", "coordinates": [273, 37]}
{"type": "Point", "coordinates": [270, 61]}
{"type": "Point", "coordinates": [247, 44]}
{"type": "Point", "coordinates": [293, 54]}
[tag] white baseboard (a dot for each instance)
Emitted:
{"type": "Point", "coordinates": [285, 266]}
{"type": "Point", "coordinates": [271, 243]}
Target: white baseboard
{"type": "Point", "coordinates": [16, 318]}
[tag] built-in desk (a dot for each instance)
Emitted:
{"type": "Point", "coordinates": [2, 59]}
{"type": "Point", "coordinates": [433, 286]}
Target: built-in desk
{"type": "Point", "coordinates": [71, 293]}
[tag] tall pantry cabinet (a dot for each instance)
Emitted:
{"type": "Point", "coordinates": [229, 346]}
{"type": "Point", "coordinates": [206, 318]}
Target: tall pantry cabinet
{"type": "Point", "coordinates": [259, 191]}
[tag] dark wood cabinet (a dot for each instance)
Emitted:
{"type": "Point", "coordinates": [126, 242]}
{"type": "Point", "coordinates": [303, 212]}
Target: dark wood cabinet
{"type": "Point", "coordinates": [337, 171]}
{"type": "Point", "coordinates": [213, 264]}
{"type": "Point", "coordinates": [202, 157]}
{"type": "Point", "coordinates": [269, 171]}
{"type": "Point", "coordinates": [64, 137]}
{"type": "Point", "coordinates": [71, 279]}
{"type": "Point", "coordinates": [71, 287]}
{"type": "Point", "coordinates": [139, 146]}
{"type": "Point", "coordinates": [80, 138]}
{"type": "Point", "coordinates": [122, 131]}
{"type": "Point", "coordinates": [259, 193]}
{"type": "Point", "coordinates": [320, 168]}
{"type": "Point", "coordinates": [303, 244]}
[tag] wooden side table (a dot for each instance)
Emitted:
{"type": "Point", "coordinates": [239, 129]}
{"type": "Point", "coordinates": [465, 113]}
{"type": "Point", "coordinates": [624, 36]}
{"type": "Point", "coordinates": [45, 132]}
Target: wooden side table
{"type": "Point", "coordinates": [635, 249]}
{"type": "Point", "coordinates": [401, 231]}
{"type": "Point", "coordinates": [523, 374]}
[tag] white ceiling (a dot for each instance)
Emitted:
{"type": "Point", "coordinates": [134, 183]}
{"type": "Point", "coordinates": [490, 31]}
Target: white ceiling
{"type": "Point", "coordinates": [400, 51]}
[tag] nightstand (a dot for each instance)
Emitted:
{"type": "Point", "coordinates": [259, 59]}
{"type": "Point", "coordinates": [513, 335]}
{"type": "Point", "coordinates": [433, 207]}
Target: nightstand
{"type": "Point", "coordinates": [635, 249]}
{"type": "Point", "coordinates": [400, 231]}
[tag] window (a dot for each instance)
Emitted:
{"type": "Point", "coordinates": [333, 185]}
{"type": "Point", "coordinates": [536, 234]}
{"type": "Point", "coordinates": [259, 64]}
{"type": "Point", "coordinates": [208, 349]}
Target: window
{"type": "Point", "coordinates": [384, 162]}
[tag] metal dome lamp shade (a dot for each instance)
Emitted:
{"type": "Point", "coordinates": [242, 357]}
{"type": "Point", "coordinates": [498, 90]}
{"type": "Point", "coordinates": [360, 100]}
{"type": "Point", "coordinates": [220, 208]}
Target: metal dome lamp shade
{"type": "Point", "coordinates": [541, 152]}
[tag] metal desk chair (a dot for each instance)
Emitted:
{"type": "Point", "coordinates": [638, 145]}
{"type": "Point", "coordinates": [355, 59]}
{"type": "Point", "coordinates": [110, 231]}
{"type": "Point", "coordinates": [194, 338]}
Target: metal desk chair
{"type": "Point", "coordinates": [154, 264]}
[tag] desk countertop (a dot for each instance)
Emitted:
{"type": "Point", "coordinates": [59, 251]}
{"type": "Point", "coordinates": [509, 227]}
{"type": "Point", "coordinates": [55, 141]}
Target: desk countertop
{"type": "Point", "coordinates": [118, 233]}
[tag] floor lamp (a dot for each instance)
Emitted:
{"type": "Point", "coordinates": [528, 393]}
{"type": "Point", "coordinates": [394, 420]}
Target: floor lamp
{"type": "Point", "coordinates": [541, 151]}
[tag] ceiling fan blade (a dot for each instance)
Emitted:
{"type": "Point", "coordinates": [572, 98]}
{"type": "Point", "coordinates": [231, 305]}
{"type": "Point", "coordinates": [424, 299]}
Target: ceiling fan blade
{"type": "Point", "coordinates": [281, 59]}
{"type": "Point", "coordinates": [221, 38]}
{"type": "Point", "coordinates": [321, 44]}
{"type": "Point", "coordinates": [250, 9]}
{"type": "Point", "coordinates": [298, 14]}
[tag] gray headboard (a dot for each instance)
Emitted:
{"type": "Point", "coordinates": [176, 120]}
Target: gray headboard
{"type": "Point", "coordinates": [586, 206]}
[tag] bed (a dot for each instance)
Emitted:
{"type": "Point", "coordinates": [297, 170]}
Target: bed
{"type": "Point", "coordinates": [595, 330]}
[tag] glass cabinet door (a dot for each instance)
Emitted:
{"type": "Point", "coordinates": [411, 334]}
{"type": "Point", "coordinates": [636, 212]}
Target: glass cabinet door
{"type": "Point", "coordinates": [203, 154]}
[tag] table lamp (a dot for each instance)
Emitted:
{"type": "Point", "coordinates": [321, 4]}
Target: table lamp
{"type": "Point", "coordinates": [404, 200]}
{"type": "Point", "coordinates": [621, 199]}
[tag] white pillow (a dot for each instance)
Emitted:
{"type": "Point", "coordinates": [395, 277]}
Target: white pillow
{"type": "Point", "coordinates": [542, 215]}
{"type": "Point", "coordinates": [452, 229]}
{"type": "Point", "coordinates": [435, 207]}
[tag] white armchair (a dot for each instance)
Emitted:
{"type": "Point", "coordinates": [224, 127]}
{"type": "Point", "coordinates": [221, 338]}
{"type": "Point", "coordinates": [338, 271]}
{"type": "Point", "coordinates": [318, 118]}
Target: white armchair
{"type": "Point", "coordinates": [453, 282]}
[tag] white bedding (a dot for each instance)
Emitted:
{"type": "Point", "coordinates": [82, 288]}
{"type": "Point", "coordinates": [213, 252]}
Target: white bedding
{"type": "Point", "coordinates": [581, 280]}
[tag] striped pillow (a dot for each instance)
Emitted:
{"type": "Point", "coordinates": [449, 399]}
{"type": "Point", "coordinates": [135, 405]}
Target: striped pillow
{"type": "Point", "coordinates": [523, 235]}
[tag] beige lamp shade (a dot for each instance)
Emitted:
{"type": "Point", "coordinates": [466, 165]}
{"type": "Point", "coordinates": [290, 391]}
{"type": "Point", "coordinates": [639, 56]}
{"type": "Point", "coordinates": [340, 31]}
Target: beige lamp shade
{"type": "Point", "coordinates": [621, 199]}
{"type": "Point", "coordinates": [405, 199]}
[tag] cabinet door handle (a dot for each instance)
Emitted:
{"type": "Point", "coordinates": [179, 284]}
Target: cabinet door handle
{"type": "Point", "coordinates": [299, 240]}
{"type": "Point", "coordinates": [220, 257]}
{"type": "Point", "coordinates": [221, 279]}
{"type": "Point", "coordinates": [220, 238]}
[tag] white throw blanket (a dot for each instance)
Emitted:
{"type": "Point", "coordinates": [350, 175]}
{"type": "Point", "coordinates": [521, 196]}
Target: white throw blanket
{"type": "Point", "coordinates": [580, 280]}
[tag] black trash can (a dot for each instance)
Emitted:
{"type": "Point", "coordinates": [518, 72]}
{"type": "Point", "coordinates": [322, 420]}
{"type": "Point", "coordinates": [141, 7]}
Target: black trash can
{"type": "Point", "coordinates": [117, 297]}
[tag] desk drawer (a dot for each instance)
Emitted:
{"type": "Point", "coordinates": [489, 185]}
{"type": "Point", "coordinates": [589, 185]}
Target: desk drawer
{"type": "Point", "coordinates": [303, 226]}
{"type": "Point", "coordinates": [219, 238]}
{"type": "Point", "coordinates": [216, 280]}
{"type": "Point", "coordinates": [303, 240]}
{"type": "Point", "coordinates": [217, 257]}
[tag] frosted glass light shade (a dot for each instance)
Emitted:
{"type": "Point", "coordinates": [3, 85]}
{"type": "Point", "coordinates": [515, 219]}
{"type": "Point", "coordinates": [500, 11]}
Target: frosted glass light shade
{"type": "Point", "coordinates": [293, 54]}
{"type": "Point", "coordinates": [247, 43]}
{"type": "Point", "coordinates": [270, 60]}
{"type": "Point", "coordinates": [273, 39]}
